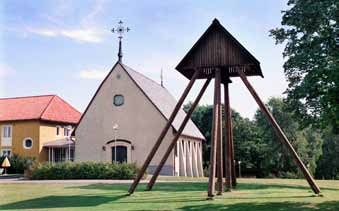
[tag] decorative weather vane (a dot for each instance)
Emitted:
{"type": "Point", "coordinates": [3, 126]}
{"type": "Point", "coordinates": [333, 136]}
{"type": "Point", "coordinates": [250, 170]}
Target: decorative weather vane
{"type": "Point", "coordinates": [120, 29]}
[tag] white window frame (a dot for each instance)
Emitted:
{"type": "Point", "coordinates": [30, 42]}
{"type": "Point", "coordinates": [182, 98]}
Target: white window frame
{"type": "Point", "coordinates": [6, 135]}
{"type": "Point", "coordinates": [57, 130]}
{"type": "Point", "coordinates": [24, 143]}
{"type": "Point", "coordinates": [66, 134]}
{"type": "Point", "coordinates": [2, 152]}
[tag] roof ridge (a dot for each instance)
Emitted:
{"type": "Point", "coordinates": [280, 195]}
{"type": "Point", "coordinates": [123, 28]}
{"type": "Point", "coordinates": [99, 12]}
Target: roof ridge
{"type": "Point", "coordinates": [67, 104]}
{"type": "Point", "coordinates": [145, 76]}
{"type": "Point", "coordinates": [49, 103]}
{"type": "Point", "coordinates": [147, 95]}
{"type": "Point", "coordinates": [153, 81]}
{"type": "Point", "coordinates": [7, 98]}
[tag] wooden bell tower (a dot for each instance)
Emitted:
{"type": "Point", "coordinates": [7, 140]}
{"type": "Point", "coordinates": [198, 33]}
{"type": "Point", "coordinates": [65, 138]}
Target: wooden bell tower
{"type": "Point", "coordinates": [217, 54]}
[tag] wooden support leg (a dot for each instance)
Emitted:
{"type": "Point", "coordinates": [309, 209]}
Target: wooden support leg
{"type": "Point", "coordinates": [280, 133]}
{"type": "Point", "coordinates": [228, 130]}
{"type": "Point", "coordinates": [175, 139]}
{"type": "Point", "coordinates": [163, 133]}
{"type": "Point", "coordinates": [211, 182]}
{"type": "Point", "coordinates": [220, 186]}
{"type": "Point", "coordinates": [233, 173]}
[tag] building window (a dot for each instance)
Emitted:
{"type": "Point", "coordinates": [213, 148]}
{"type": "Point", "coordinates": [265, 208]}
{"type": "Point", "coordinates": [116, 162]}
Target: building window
{"type": "Point", "coordinates": [6, 135]}
{"type": "Point", "coordinates": [7, 131]}
{"type": "Point", "coordinates": [118, 100]}
{"type": "Point", "coordinates": [27, 143]}
{"type": "Point", "coordinates": [6, 152]}
{"type": "Point", "coordinates": [121, 156]}
{"type": "Point", "coordinates": [58, 130]}
{"type": "Point", "coordinates": [66, 131]}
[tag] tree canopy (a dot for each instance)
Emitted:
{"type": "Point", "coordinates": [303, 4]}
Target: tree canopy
{"type": "Point", "coordinates": [310, 33]}
{"type": "Point", "coordinates": [256, 144]}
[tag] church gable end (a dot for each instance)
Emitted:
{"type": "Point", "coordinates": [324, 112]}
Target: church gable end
{"type": "Point", "coordinates": [139, 121]}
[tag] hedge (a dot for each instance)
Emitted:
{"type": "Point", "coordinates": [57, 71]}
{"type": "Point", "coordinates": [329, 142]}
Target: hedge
{"type": "Point", "coordinates": [18, 164]}
{"type": "Point", "coordinates": [83, 170]}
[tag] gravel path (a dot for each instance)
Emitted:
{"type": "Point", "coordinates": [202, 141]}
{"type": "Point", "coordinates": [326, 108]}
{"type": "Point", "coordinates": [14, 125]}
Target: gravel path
{"type": "Point", "coordinates": [23, 180]}
{"type": "Point", "coordinates": [93, 181]}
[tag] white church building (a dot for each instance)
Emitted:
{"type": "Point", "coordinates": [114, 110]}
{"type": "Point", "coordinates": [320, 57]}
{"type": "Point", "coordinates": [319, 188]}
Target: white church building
{"type": "Point", "coordinates": [124, 119]}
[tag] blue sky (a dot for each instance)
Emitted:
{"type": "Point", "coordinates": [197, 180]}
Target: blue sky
{"type": "Point", "coordinates": [66, 47]}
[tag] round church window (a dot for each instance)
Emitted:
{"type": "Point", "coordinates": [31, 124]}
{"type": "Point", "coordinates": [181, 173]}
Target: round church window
{"type": "Point", "coordinates": [118, 100]}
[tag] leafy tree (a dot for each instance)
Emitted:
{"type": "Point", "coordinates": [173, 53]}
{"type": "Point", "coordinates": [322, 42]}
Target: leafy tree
{"type": "Point", "coordinates": [278, 161]}
{"type": "Point", "coordinates": [256, 144]}
{"type": "Point", "coordinates": [328, 164]}
{"type": "Point", "coordinates": [247, 144]}
{"type": "Point", "coordinates": [244, 132]}
{"type": "Point", "coordinates": [310, 31]}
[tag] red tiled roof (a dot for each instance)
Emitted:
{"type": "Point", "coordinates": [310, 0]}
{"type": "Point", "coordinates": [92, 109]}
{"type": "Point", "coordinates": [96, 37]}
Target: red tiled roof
{"type": "Point", "coordinates": [44, 107]}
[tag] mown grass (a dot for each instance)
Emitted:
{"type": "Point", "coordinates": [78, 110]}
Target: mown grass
{"type": "Point", "coordinates": [175, 194]}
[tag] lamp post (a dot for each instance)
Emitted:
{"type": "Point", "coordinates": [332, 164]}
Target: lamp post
{"type": "Point", "coordinates": [239, 163]}
{"type": "Point", "coordinates": [115, 129]}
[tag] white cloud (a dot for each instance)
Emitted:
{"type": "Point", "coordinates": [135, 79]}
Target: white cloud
{"type": "Point", "coordinates": [87, 29]}
{"type": "Point", "coordinates": [43, 32]}
{"type": "Point", "coordinates": [93, 74]}
{"type": "Point", "coordinates": [81, 35]}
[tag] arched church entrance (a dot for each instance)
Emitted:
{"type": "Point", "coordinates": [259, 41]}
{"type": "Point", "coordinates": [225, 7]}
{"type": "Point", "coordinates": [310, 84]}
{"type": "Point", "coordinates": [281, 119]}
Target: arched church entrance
{"type": "Point", "coordinates": [119, 151]}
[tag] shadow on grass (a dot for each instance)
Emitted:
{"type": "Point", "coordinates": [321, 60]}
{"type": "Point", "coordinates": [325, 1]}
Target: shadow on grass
{"type": "Point", "coordinates": [86, 201]}
{"type": "Point", "coordinates": [160, 196]}
{"type": "Point", "coordinates": [195, 186]}
{"type": "Point", "coordinates": [60, 202]}
{"type": "Point", "coordinates": [251, 186]}
{"type": "Point", "coordinates": [279, 206]}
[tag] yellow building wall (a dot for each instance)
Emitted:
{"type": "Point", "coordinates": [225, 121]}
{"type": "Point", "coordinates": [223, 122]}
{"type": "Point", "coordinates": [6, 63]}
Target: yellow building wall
{"type": "Point", "coordinates": [20, 131]}
{"type": "Point", "coordinates": [39, 132]}
{"type": "Point", "coordinates": [47, 134]}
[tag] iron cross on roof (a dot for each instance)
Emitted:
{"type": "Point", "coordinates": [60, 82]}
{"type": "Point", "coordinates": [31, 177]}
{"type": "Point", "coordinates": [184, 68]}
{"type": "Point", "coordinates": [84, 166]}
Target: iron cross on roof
{"type": "Point", "coordinates": [120, 30]}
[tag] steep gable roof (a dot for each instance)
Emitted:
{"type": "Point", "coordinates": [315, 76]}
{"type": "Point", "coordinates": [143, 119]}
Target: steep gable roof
{"type": "Point", "coordinates": [163, 101]}
{"type": "Point", "coordinates": [43, 107]}
{"type": "Point", "coordinates": [218, 48]}
{"type": "Point", "coordinates": [159, 97]}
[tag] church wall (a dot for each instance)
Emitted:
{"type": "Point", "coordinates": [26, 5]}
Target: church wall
{"type": "Point", "coordinates": [188, 159]}
{"type": "Point", "coordinates": [138, 119]}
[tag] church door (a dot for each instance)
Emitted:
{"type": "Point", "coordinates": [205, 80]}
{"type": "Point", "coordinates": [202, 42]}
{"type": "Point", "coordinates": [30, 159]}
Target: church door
{"type": "Point", "coordinates": [121, 154]}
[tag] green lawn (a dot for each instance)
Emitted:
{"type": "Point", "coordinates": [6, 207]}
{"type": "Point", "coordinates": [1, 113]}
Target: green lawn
{"type": "Point", "coordinates": [252, 194]}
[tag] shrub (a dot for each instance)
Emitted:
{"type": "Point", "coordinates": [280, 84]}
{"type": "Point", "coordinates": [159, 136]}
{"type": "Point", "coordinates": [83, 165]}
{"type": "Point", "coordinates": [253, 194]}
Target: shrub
{"type": "Point", "coordinates": [18, 164]}
{"type": "Point", "coordinates": [289, 175]}
{"type": "Point", "coordinates": [83, 170]}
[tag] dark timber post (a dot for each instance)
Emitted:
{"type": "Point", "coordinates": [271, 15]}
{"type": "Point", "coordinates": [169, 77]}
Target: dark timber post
{"type": "Point", "coordinates": [220, 186]}
{"type": "Point", "coordinates": [228, 134]}
{"type": "Point", "coordinates": [175, 139]}
{"type": "Point", "coordinates": [163, 133]}
{"type": "Point", "coordinates": [211, 181]}
{"type": "Point", "coordinates": [233, 174]}
{"type": "Point", "coordinates": [279, 132]}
